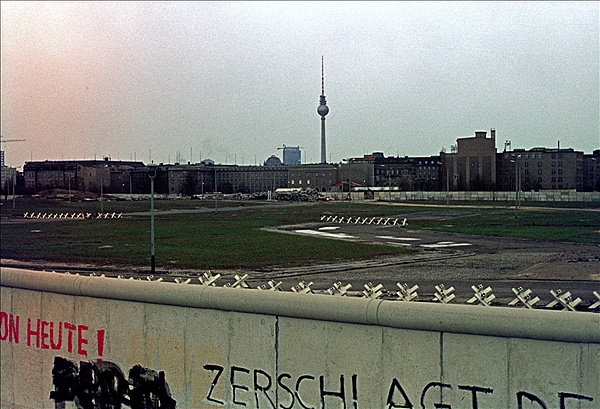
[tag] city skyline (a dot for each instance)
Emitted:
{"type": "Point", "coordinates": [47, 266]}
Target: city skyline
{"type": "Point", "coordinates": [233, 81]}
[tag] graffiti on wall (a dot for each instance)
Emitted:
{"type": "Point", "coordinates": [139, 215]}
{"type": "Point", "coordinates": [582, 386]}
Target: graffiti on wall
{"type": "Point", "coordinates": [90, 385]}
{"type": "Point", "coordinates": [53, 335]}
{"type": "Point", "coordinates": [102, 384]}
{"type": "Point", "coordinates": [245, 387]}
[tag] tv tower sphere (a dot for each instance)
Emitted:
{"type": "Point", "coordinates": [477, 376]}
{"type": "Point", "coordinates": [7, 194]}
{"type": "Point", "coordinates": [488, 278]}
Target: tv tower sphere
{"type": "Point", "coordinates": [323, 109]}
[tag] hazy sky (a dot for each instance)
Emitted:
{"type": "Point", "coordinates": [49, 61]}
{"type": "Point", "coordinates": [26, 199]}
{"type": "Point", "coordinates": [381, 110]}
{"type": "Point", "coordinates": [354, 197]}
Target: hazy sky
{"type": "Point", "coordinates": [233, 81]}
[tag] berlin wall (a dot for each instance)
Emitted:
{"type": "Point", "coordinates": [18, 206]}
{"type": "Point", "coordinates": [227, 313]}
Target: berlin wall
{"type": "Point", "coordinates": [71, 341]}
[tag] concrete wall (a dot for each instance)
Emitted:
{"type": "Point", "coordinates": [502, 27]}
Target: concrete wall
{"type": "Point", "coordinates": [234, 348]}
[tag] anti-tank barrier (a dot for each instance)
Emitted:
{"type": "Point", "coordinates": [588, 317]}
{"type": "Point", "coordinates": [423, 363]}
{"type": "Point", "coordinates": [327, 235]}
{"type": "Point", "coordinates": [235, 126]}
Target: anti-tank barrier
{"type": "Point", "coordinates": [365, 310]}
{"type": "Point", "coordinates": [72, 215]}
{"type": "Point", "coordinates": [208, 346]}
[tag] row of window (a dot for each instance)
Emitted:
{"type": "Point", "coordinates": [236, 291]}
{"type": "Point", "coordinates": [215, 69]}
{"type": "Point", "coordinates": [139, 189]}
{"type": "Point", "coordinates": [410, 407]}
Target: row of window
{"type": "Point", "coordinates": [314, 175]}
{"type": "Point", "coordinates": [293, 182]}
{"type": "Point", "coordinates": [395, 171]}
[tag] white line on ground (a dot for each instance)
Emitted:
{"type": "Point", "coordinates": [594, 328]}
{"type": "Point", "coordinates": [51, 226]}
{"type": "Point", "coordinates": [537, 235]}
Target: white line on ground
{"type": "Point", "coordinates": [325, 234]}
{"type": "Point", "coordinates": [398, 238]}
{"type": "Point", "coordinates": [445, 244]}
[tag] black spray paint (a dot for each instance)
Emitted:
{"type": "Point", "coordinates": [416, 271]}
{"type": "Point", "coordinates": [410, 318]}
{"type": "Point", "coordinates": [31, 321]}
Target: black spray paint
{"type": "Point", "coordinates": [102, 385]}
{"type": "Point", "coordinates": [258, 389]}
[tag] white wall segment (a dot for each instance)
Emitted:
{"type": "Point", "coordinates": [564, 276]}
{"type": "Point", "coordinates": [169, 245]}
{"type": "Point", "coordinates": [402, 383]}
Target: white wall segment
{"type": "Point", "coordinates": [198, 347]}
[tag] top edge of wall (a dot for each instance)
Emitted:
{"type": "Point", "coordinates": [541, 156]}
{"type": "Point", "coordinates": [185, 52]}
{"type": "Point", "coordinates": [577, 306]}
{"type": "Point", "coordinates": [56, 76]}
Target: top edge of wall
{"type": "Point", "coordinates": [547, 325]}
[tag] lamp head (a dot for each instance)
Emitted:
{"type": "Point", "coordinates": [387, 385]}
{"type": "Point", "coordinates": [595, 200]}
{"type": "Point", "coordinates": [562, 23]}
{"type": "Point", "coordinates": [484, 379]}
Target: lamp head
{"type": "Point", "coordinates": [152, 168]}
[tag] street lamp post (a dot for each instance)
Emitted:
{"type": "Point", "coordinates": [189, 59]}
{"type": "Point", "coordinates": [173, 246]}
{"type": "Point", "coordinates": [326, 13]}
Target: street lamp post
{"type": "Point", "coordinates": [447, 188]}
{"type": "Point", "coordinates": [101, 193]}
{"type": "Point", "coordinates": [14, 183]}
{"type": "Point", "coordinates": [517, 183]}
{"type": "Point", "coordinates": [445, 168]}
{"type": "Point", "coordinates": [389, 185]}
{"type": "Point", "coordinates": [102, 169]}
{"type": "Point", "coordinates": [152, 173]}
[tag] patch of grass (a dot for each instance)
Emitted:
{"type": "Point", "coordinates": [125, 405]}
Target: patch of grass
{"type": "Point", "coordinates": [233, 239]}
{"type": "Point", "coordinates": [554, 225]}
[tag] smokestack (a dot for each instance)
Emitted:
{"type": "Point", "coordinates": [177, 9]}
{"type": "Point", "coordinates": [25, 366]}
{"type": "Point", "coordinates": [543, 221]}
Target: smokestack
{"type": "Point", "coordinates": [493, 133]}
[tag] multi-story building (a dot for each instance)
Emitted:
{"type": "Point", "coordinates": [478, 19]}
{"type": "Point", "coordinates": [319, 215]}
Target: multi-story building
{"type": "Point", "coordinates": [189, 179]}
{"type": "Point", "coordinates": [320, 176]}
{"type": "Point", "coordinates": [428, 173]}
{"type": "Point", "coordinates": [395, 172]}
{"type": "Point", "coordinates": [50, 175]}
{"type": "Point", "coordinates": [249, 179]}
{"type": "Point", "coordinates": [8, 179]}
{"type": "Point", "coordinates": [473, 164]}
{"type": "Point", "coordinates": [85, 175]}
{"type": "Point", "coordinates": [357, 172]}
{"type": "Point", "coordinates": [540, 169]}
{"type": "Point", "coordinates": [591, 171]}
{"type": "Point", "coordinates": [292, 155]}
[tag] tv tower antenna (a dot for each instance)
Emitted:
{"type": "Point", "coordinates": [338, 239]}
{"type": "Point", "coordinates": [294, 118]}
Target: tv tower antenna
{"type": "Point", "coordinates": [322, 77]}
{"type": "Point", "coordinates": [323, 110]}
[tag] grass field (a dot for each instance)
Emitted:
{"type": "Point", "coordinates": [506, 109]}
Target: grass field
{"type": "Point", "coordinates": [235, 239]}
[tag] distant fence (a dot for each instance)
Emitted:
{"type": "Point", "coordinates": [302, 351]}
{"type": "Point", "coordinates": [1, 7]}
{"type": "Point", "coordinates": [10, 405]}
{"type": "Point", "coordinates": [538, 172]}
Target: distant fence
{"type": "Point", "coordinates": [531, 196]}
{"type": "Point", "coordinates": [89, 342]}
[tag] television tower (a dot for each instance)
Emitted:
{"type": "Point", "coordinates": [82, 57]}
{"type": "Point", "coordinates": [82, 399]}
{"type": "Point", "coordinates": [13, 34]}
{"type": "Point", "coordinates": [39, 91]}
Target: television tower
{"type": "Point", "coordinates": [323, 110]}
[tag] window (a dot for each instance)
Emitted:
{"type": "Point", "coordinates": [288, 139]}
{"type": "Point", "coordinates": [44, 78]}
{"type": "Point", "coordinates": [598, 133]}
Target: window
{"type": "Point", "coordinates": [560, 163]}
{"type": "Point", "coordinates": [539, 164]}
{"type": "Point", "coordinates": [539, 172]}
{"type": "Point", "coordinates": [553, 163]}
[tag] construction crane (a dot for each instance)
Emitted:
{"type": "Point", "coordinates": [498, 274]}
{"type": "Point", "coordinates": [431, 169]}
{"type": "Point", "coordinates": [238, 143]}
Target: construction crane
{"type": "Point", "coordinates": [290, 147]}
{"type": "Point", "coordinates": [12, 140]}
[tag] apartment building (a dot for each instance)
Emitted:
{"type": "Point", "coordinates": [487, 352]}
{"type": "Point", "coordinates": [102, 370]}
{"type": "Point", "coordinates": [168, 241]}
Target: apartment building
{"type": "Point", "coordinates": [540, 169]}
